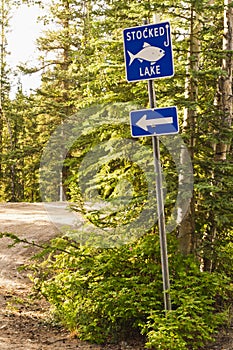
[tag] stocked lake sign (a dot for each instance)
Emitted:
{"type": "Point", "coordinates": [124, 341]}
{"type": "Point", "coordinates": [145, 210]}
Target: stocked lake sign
{"type": "Point", "coordinates": [148, 52]}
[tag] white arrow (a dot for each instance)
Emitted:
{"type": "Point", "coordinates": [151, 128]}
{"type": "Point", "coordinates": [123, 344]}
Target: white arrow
{"type": "Point", "coordinates": [143, 123]}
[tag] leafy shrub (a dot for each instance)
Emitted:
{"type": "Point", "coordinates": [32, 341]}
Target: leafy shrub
{"type": "Point", "coordinates": [104, 294]}
{"type": "Point", "coordinates": [195, 316]}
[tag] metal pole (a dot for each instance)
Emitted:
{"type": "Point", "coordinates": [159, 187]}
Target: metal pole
{"type": "Point", "coordinates": [160, 207]}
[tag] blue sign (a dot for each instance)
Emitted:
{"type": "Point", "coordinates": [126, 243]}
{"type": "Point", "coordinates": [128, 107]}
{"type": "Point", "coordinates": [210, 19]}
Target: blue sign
{"type": "Point", "coordinates": [148, 52]}
{"type": "Point", "coordinates": [152, 122]}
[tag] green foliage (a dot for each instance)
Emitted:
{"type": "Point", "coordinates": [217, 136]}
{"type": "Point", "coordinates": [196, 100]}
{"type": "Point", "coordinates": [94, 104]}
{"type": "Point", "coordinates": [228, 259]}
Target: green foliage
{"type": "Point", "coordinates": [20, 153]}
{"type": "Point", "coordinates": [120, 181]}
{"type": "Point", "coordinates": [107, 294]}
{"type": "Point", "coordinates": [101, 292]}
{"type": "Point", "coordinates": [199, 306]}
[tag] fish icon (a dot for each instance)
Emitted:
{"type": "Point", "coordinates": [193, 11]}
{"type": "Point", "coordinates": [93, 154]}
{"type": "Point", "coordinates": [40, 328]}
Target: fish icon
{"type": "Point", "coordinates": [149, 53]}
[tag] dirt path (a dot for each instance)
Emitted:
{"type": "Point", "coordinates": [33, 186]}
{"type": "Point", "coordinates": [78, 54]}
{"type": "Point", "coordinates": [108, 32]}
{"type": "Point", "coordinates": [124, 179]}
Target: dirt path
{"type": "Point", "coordinates": [26, 324]}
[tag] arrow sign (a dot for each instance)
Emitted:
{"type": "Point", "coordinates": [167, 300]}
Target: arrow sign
{"type": "Point", "coordinates": [151, 122]}
{"type": "Point", "coordinates": [144, 123]}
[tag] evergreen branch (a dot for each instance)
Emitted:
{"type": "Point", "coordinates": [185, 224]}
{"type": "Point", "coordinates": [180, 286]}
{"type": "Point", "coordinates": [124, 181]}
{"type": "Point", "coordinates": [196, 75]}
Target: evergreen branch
{"type": "Point", "coordinates": [17, 240]}
{"type": "Point", "coordinates": [26, 70]}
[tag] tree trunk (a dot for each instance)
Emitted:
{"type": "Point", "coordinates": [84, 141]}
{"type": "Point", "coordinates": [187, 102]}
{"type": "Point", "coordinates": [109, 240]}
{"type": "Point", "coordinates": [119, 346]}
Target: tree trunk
{"type": "Point", "coordinates": [186, 230]}
{"type": "Point", "coordinates": [223, 122]}
{"type": "Point", "coordinates": [224, 90]}
{"type": "Point", "coordinates": [2, 57]}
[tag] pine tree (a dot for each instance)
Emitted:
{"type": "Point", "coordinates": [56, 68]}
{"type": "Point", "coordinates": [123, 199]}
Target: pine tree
{"type": "Point", "coordinates": [221, 173]}
{"type": "Point", "coordinates": [186, 229]}
{"type": "Point", "coordinates": [5, 127]}
{"type": "Point", "coordinates": [224, 91]}
{"type": "Point", "coordinates": [64, 55]}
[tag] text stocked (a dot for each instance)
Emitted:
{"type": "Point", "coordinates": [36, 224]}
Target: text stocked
{"type": "Point", "coordinates": [145, 33]}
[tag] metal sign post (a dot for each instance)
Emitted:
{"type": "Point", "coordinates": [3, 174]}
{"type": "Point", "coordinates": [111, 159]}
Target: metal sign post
{"type": "Point", "coordinates": [148, 56]}
{"type": "Point", "coordinates": [160, 207]}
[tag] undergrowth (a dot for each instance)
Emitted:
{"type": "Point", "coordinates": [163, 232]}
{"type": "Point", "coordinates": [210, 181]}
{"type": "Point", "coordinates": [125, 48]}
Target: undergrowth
{"type": "Point", "coordinates": [107, 294]}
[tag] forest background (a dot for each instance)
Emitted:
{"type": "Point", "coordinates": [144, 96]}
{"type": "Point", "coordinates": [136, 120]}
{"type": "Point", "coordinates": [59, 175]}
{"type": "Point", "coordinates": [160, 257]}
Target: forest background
{"type": "Point", "coordinates": [104, 293]}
